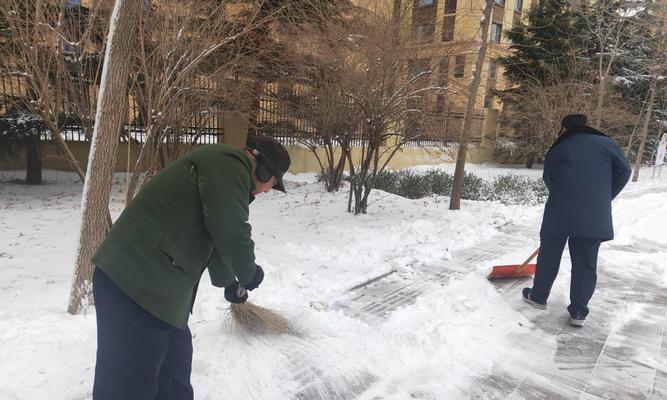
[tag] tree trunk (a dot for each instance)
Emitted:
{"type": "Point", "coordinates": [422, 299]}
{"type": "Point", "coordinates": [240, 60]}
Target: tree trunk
{"type": "Point", "coordinates": [600, 103]}
{"type": "Point", "coordinates": [111, 111]}
{"type": "Point", "coordinates": [647, 119]}
{"type": "Point", "coordinates": [530, 160]}
{"type": "Point", "coordinates": [632, 134]}
{"type": "Point", "coordinates": [651, 98]}
{"type": "Point", "coordinates": [33, 169]}
{"type": "Point", "coordinates": [457, 187]}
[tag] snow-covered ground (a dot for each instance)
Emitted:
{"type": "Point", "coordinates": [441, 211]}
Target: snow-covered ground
{"type": "Point", "coordinates": [313, 253]}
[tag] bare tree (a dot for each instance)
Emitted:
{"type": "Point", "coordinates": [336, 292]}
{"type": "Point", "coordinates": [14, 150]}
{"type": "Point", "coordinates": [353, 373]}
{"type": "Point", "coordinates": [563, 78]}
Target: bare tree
{"type": "Point", "coordinates": [457, 186]}
{"type": "Point", "coordinates": [112, 106]}
{"type": "Point", "coordinates": [614, 28]}
{"type": "Point", "coordinates": [190, 65]}
{"type": "Point", "coordinates": [647, 120]}
{"type": "Point", "coordinates": [52, 54]}
{"type": "Point", "coordinates": [316, 95]}
{"type": "Point", "coordinates": [386, 85]}
{"type": "Point", "coordinates": [658, 69]}
{"type": "Point", "coordinates": [538, 107]}
{"type": "Point", "coordinates": [366, 86]}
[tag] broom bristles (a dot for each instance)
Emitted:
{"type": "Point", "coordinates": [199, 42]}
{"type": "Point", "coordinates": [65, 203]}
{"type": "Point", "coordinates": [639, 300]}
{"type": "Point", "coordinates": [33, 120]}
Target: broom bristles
{"type": "Point", "coordinates": [257, 319]}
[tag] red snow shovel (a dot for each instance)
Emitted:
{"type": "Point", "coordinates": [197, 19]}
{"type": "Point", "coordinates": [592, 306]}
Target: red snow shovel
{"type": "Point", "coordinates": [514, 271]}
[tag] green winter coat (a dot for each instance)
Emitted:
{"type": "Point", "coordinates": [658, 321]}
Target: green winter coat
{"type": "Point", "coordinates": [191, 216]}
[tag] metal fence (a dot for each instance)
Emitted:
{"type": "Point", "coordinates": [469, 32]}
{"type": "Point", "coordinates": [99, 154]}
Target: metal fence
{"type": "Point", "coordinates": [273, 118]}
{"type": "Point", "coordinates": [76, 133]}
{"type": "Point", "coordinates": [443, 128]}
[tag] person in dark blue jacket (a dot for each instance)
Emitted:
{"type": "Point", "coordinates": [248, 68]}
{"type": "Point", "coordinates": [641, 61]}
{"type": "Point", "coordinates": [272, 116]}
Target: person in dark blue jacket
{"type": "Point", "coordinates": [584, 171]}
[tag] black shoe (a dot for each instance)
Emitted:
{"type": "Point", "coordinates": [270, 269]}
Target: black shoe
{"type": "Point", "coordinates": [577, 319]}
{"type": "Point", "coordinates": [536, 304]}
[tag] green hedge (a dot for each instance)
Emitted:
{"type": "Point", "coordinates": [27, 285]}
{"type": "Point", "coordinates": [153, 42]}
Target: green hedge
{"type": "Point", "coordinates": [507, 189]}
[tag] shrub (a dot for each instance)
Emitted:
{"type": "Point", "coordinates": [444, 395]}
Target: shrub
{"type": "Point", "coordinates": [474, 188]}
{"type": "Point", "coordinates": [414, 186]}
{"type": "Point", "coordinates": [540, 190]}
{"type": "Point", "coordinates": [507, 189]}
{"type": "Point", "coordinates": [441, 182]}
{"type": "Point", "coordinates": [512, 189]}
{"type": "Point", "coordinates": [387, 181]}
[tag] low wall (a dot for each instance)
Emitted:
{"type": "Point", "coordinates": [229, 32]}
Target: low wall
{"type": "Point", "coordinates": [303, 159]}
{"type": "Point", "coordinates": [235, 129]}
{"type": "Point", "coordinates": [52, 158]}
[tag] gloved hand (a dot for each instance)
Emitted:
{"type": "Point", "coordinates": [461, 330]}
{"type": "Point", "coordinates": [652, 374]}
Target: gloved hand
{"type": "Point", "coordinates": [256, 280]}
{"type": "Point", "coordinates": [236, 294]}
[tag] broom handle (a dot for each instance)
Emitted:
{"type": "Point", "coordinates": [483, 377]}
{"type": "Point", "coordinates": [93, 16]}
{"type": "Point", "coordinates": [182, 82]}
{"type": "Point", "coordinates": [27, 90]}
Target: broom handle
{"type": "Point", "coordinates": [528, 260]}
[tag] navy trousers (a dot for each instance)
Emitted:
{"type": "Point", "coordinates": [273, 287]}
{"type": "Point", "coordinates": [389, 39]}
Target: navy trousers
{"type": "Point", "coordinates": [139, 357]}
{"type": "Point", "coordinates": [584, 255]}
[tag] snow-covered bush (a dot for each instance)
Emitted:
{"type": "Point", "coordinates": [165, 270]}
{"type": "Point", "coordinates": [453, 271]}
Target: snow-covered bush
{"type": "Point", "coordinates": [441, 182]}
{"type": "Point", "coordinates": [512, 189]}
{"type": "Point", "coordinates": [474, 188]}
{"type": "Point", "coordinates": [414, 186]}
{"type": "Point", "coordinates": [507, 189]}
{"type": "Point", "coordinates": [387, 181]}
{"type": "Point", "coordinates": [540, 190]}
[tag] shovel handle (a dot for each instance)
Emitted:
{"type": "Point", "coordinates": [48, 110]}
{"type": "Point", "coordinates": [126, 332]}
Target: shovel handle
{"type": "Point", "coordinates": [528, 260]}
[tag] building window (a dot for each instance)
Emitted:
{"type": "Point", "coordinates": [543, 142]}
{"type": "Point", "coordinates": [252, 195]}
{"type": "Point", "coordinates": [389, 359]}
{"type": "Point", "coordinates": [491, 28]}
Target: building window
{"type": "Point", "coordinates": [450, 6]}
{"type": "Point", "coordinates": [488, 102]}
{"type": "Point", "coordinates": [496, 32]}
{"type": "Point", "coordinates": [423, 3]}
{"type": "Point", "coordinates": [448, 28]}
{"type": "Point", "coordinates": [518, 5]}
{"type": "Point", "coordinates": [419, 69]}
{"type": "Point", "coordinates": [424, 33]}
{"type": "Point", "coordinates": [439, 104]}
{"type": "Point", "coordinates": [459, 66]}
{"type": "Point", "coordinates": [443, 71]}
{"type": "Point", "coordinates": [500, 3]}
{"type": "Point", "coordinates": [492, 69]}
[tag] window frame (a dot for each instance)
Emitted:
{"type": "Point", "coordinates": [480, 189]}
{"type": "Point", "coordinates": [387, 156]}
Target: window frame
{"type": "Point", "coordinates": [493, 67]}
{"type": "Point", "coordinates": [450, 6]}
{"type": "Point", "coordinates": [460, 66]}
{"type": "Point", "coordinates": [496, 32]}
{"type": "Point", "coordinates": [448, 30]}
{"type": "Point", "coordinates": [420, 3]}
{"type": "Point", "coordinates": [427, 35]}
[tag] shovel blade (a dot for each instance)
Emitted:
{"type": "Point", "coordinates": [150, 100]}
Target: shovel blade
{"type": "Point", "coordinates": [512, 271]}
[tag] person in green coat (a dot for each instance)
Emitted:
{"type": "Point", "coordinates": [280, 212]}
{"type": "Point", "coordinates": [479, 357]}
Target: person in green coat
{"type": "Point", "coordinates": [190, 217]}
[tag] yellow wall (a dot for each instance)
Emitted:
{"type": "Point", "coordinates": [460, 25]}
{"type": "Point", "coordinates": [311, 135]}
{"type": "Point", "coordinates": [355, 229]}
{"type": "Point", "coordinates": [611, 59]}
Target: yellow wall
{"type": "Point", "coordinates": [304, 161]}
{"type": "Point", "coordinates": [302, 158]}
{"type": "Point", "coordinates": [52, 159]}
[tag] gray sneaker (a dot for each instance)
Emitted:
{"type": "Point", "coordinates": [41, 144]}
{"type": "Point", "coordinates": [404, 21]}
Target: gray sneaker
{"type": "Point", "coordinates": [577, 319]}
{"type": "Point", "coordinates": [526, 297]}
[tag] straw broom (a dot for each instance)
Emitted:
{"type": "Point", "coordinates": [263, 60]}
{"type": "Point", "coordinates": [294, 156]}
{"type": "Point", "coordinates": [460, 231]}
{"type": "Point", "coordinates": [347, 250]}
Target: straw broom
{"type": "Point", "coordinates": [257, 319]}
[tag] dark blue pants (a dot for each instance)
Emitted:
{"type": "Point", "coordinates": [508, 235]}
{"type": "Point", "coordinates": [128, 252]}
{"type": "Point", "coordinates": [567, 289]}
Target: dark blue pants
{"type": "Point", "coordinates": [584, 255]}
{"type": "Point", "coordinates": [139, 357]}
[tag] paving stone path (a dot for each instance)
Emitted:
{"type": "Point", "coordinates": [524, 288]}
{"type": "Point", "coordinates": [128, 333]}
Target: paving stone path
{"type": "Point", "coordinates": [612, 357]}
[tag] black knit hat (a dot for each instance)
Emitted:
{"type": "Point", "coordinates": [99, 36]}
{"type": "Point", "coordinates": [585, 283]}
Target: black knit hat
{"type": "Point", "coordinates": [572, 120]}
{"type": "Point", "coordinates": [272, 158]}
